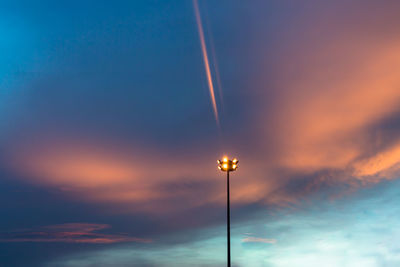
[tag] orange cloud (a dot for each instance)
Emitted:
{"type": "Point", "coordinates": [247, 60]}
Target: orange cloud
{"type": "Point", "coordinates": [331, 85]}
{"type": "Point", "coordinates": [384, 164]}
{"type": "Point", "coordinates": [331, 92]}
{"type": "Point", "coordinates": [134, 179]}
{"type": "Point", "coordinates": [324, 127]}
{"type": "Point", "coordinates": [69, 233]}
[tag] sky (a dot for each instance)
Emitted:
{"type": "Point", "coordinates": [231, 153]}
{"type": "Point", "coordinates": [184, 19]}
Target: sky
{"type": "Point", "coordinates": [109, 135]}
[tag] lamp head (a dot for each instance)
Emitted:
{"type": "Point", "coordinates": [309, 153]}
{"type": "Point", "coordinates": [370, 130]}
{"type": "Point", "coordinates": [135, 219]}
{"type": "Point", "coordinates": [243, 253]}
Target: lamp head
{"type": "Point", "coordinates": [227, 165]}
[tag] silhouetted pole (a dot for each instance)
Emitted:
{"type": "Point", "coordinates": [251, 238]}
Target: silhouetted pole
{"type": "Point", "coordinates": [228, 217]}
{"type": "Point", "coordinates": [227, 165]}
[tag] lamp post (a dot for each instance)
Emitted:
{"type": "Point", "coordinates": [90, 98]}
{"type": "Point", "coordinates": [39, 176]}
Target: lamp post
{"type": "Point", "coordinates": [227, 165]}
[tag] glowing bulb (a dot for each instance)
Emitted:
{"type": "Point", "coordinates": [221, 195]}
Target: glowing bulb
{"type": "Point", "coordinates": [219, 167]}
{"type": "Point", "coordinates": [225, 159]}
{"type": "Point", "coordinates": [234, 166]}
{"type": "Point", "coordinates": [225, 166]}
{"type": "Point", "coordinates": [234, 160]}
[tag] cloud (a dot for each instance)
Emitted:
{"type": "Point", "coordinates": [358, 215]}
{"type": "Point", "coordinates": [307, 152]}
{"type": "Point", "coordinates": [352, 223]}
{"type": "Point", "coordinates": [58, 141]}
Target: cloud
{"type": "Point", "coordinates": [332, 86]}
{"type": "Point", "coordinates": [360, 230]}
{"type": "Point", "coordinates": [320, 97]}
{"type": "Point", "coordinates": [326, 117]}
{"type": "Point", "coordinates": [310, 117]}
{"type": "Point", "coordinates": [127, 178]}
{"type": "Point", "coordinates": [70, 233]}
{"type": "Point", "coordinates": [383, 164]}
{"type": "Point", "coordinates": [252, 239]}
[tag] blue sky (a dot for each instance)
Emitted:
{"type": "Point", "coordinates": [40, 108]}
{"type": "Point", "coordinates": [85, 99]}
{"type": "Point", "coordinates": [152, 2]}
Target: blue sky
{"type": "Point", "coordinates": [356, 230]}
{"type": "Point", "coordinates": [108, 141]}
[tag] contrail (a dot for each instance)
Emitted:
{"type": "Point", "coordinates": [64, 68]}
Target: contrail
{"type": "Point", "coordinates": [206, 61]}
{"type": "Point", "coordinates": [215, 63]}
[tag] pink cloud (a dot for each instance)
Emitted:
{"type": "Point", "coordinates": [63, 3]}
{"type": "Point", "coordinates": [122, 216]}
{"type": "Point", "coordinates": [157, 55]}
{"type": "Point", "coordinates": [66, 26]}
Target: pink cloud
{"type": "Point", "coordinates": [70, 233]}
{"type": "Point", "coordinates": [331, 84]}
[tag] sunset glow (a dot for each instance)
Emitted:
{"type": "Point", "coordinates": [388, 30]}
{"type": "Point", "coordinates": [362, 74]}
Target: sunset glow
{"type": "Point", "coordinates": [110, 154]}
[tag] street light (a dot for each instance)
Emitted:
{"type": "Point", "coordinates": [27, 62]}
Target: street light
{"type": "Point", "coordinates": [227, 165]}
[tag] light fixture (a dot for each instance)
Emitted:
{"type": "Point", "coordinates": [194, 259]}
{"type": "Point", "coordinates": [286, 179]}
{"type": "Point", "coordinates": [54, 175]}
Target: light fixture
{"type": "Point", "coordinates": [228, 165]}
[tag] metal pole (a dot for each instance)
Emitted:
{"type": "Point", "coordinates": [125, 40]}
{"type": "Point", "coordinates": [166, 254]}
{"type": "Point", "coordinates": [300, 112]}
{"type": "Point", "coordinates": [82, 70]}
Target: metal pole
{"type": "Point", "coordinates": [228, 220]}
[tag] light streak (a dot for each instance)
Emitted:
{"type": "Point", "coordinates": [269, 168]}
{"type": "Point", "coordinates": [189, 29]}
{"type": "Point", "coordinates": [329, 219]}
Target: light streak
{"type": "Point", "coordinates": [216, 70]}
{"type": "Point", "coordinates": [206, 61]}
{"type": "Point", "coordinates": [215, 63]}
